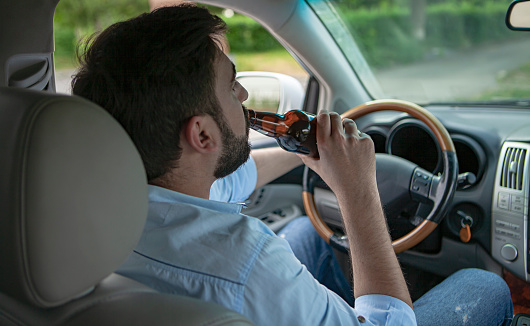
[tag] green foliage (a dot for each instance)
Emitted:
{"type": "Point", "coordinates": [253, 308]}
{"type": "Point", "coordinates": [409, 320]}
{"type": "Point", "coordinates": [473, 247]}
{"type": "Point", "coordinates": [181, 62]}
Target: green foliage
{"type": "Point", "coordinates": [385, 35]}
{"type": "Point", "coordinates": [65, 41]}
{"type": "Point", "coordinates": [246, 35]}
{"type": "Point", "coordinates": [97, 14]}
{"type": "Point", "coordinates": [366, 4]}
{"type": "Point", "coordinates": [378, 30]}
{"type": "Point", "coordinates": [77, 19]}
{"type": "Point", "coordinates": [460, 25]}
{"type": "Point", "coordinates": [382, 28]}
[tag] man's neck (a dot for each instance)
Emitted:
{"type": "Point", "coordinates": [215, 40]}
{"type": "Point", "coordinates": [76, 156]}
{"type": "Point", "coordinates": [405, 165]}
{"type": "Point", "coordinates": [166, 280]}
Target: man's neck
{"type": "Point", "coordinates": [192, 185]}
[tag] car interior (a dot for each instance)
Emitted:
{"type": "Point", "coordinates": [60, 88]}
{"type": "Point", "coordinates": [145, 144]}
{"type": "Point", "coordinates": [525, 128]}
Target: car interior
{"type": "Point", "coordinates": [453, 171]}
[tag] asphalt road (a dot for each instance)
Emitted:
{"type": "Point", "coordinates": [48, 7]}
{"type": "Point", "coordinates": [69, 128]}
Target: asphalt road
{"type": "Point", "coordinates": [461, 75]}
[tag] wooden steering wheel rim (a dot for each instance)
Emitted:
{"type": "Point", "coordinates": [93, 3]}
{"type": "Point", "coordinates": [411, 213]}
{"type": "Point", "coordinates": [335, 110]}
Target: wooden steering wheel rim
{"type": "Point", "coordinates": [442, 136]}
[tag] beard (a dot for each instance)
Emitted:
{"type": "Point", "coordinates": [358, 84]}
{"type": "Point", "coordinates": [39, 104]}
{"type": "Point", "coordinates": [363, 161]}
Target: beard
{"type": "Point", "coordinates": [236, 150]}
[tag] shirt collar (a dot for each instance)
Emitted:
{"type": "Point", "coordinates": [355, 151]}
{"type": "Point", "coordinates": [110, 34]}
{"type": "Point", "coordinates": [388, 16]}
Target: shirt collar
{"type": "Point", "coordinates": [159, 194]}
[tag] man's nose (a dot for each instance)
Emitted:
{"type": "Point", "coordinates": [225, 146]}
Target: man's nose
{"type": "Point", "coordinates": [243, 95]}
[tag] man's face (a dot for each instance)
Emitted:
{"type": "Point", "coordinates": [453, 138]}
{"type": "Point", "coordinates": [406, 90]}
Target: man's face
{"type": "Point", "coordinates": [235, 125]}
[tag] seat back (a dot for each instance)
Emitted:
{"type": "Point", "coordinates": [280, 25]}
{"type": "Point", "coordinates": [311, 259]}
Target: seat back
{"type": "Point", "coordinates": [73, 203]}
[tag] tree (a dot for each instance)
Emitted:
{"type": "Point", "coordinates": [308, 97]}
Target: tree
{"type": "Point", "coordinates": [417, 17]}
{"type": "Point", "coordinates": [97, 14]}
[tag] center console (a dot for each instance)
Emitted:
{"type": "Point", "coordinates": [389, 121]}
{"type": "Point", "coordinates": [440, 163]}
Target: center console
{"type": "Point", "coordinates": [509, 223]}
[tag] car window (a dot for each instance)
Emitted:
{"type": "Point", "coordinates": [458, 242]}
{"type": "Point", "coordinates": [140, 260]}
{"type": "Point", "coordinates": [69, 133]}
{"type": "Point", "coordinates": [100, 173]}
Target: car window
{"type": "Point", "coordinates": [435, 51]}
{"type": "Point", "coordinates": [249, 45]}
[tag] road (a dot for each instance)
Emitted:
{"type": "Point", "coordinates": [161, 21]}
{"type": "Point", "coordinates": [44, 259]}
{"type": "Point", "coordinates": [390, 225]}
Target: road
{"type": "Point", "coordinates": [456, 76]}
{"type": "Point", "coordinates": [63, 78]}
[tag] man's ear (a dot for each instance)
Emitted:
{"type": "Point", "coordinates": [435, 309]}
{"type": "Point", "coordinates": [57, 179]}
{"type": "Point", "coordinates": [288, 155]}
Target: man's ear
{"type": "Point", "coordinates": [202, 134]}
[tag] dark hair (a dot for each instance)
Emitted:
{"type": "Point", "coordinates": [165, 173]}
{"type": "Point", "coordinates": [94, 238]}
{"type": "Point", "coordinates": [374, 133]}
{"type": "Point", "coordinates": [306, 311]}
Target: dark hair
{"type": "Point", "coordinates": [153, 73]}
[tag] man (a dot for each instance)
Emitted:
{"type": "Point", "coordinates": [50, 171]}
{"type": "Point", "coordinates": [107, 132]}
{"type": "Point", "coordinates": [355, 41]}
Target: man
{"type": "Point", "coordinates": [165, 79]}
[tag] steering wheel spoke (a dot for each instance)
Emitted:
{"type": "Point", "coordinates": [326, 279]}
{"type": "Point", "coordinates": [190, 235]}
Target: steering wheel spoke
{"type": "Point", "coordinates": [421, 186]}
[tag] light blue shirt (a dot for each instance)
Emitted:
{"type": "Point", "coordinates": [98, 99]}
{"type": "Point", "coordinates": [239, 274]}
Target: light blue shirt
{"type": "Point", "coordinates": [208, 250]}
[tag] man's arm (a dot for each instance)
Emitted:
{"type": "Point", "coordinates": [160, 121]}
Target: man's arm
{"type": "Point", "coordinates": [347, 165]}
{"type": "Point", "coordinates": [272, 163]}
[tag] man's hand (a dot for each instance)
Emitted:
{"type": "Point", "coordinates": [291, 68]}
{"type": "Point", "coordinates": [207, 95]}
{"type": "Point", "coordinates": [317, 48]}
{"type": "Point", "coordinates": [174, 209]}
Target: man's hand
{"type": "Point", "coordinates": [346, 156]}
{"type": "Point", "coordinates": [347, 165]}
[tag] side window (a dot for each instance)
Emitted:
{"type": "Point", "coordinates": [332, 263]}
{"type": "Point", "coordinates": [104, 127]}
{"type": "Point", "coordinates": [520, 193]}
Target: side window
{"type": "Point", "coordinates": [76, 20]}
{"type": "Point", "coordinates": [248, 44]}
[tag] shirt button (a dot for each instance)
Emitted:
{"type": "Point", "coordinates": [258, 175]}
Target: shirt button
{"type": "Point", "coordinates": [361, 319]}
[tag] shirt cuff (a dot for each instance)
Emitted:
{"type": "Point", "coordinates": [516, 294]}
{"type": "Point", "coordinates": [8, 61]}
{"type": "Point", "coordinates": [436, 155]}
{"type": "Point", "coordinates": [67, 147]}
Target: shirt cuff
{"type": "Point", "coordinates": [379, 309]}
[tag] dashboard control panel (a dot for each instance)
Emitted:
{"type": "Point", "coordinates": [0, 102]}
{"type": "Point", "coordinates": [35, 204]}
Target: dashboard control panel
{"type": "Point", "coordinates": [510, 234]}
{"type": "Point", "coordinates": [278, 218]}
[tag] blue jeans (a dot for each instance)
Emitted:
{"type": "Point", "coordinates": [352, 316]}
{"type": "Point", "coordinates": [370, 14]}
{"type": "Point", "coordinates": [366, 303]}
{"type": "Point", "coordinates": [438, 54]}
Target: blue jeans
{"type": "Point", "coordinates": [468, 297]}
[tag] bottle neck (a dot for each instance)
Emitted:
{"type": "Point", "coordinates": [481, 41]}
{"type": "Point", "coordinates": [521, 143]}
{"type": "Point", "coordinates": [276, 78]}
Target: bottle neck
{"type": "Point", "coordinates": [251, 117]}
{"type": "Point", "coordinates": [267, 123]}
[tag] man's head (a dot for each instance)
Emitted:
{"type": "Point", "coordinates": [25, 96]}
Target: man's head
{"type": "Point", "coordinates": [155, 72]}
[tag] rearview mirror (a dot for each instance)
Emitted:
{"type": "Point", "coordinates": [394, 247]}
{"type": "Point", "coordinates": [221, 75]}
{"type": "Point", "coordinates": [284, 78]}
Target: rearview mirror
{"type": "Point", "coordinates": [271, 92]}
{"type": "Point", "coordinates": [518, 15]}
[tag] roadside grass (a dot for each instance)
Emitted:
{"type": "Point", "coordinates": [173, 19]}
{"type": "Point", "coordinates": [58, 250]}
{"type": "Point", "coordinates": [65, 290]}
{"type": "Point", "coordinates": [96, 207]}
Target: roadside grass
{"type": "Point", "coordinates": [272, 61]}
{"type": "Point", "coordinates": [64, 62]}
{"type": "Point", "coordinates": [511, 84]}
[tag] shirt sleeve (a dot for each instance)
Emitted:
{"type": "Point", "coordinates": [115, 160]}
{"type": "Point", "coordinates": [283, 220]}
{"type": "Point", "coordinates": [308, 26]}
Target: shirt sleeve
{"type": "Point", "coordinates": [236, 187]}
{"type": "Point", "coordinates": [385, 310]}
{"type": "Point", "coordinates": [279, 283]}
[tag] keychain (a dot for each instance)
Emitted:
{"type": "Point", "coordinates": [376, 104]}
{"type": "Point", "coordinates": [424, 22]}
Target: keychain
{"type": "Point", "coordinates": [466, 222]}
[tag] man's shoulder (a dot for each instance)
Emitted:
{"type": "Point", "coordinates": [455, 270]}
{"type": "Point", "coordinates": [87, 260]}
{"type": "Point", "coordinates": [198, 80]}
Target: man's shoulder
{"type": "Point", "coordinates": [209, 217]}
{"type": "Point", "coordinates": [203, 240]}
{"type": "Point", "coordinates": [211, 261]}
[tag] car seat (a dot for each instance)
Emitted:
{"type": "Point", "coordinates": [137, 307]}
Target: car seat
{"type": "Point", "coordinates": [73, 202]}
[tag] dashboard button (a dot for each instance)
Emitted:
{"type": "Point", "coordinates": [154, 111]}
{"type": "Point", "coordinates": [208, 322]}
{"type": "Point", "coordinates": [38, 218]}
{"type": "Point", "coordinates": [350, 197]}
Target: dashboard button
{"type": "Point", "coordinates": [517, 200]}
{"type": "Point", "coordinates": [502, 223]}
{"type": "Point", "coordinates": [509, 252]}
{"type": "Point", "coordinates": [504, 201]}
{"type": "Point", "coordinates": [500, 231]}
{"type": "Point", "coordinates": [517, 208]}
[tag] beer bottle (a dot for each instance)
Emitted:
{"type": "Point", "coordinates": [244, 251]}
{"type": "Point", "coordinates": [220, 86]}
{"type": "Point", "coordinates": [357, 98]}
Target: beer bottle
{"type": "Point", "coordinates": [295, 131]}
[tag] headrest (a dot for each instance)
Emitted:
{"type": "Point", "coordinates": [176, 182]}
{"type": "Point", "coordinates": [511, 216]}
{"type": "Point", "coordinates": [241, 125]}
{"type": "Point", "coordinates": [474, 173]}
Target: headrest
{"type": "Point", "coordinates": [73, 196]}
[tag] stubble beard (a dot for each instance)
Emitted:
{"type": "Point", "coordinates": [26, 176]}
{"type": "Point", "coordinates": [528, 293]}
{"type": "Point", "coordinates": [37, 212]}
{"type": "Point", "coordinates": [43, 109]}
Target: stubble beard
{"type": "Point", "coordinates": [236, 149]}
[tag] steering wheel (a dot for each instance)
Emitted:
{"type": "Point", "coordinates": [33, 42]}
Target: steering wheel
{"type": "Point", "coordinates": [404, 180]}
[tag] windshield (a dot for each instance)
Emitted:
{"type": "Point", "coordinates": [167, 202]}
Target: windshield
{"type": "Point", "coordinates": [432, 51]}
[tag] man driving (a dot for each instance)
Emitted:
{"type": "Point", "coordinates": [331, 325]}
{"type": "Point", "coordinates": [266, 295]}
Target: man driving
{"type": "Point", "coordinates": [164, 77]}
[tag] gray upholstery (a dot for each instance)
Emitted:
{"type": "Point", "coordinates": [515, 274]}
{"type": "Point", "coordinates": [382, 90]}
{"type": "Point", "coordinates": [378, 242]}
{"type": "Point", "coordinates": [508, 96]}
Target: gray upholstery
{"type": "Point", "coordinates": [73, 202]}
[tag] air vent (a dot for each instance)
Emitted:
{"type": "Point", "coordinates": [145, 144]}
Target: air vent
{"type": "Point", "coordinates": [513, 168]}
